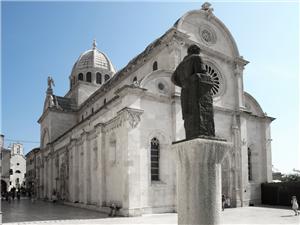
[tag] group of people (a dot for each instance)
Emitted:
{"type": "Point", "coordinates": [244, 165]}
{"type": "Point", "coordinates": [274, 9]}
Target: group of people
{"type": "Point", "coordinates": [12, 194]}
{"type": "Point", "coordinates": [16, 193]}
{"type": "Point", "coordinates": [295, 206]}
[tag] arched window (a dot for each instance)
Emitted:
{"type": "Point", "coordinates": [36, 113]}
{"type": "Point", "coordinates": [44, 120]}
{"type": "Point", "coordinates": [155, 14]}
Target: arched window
{"type": "Point", "coordinates": [154, 66]}
{"type": "Point", "coordinates": [98, 78]}
{"type": "Point", "coordinates": [18, 171]}
{"type": "Point", "coordinates": [135, 81]}
{"type": "Point", "coordinates": [80, 76]}
{"type": "Point", "coordinates": [106, 77]}
{"type": "Point", "coordinates": [154, 159]}
{"type": "Point", "coordinates": [89, 77]}
{"type": "Point", "coordinates": [249, 165]}
{"type": "Point", "coordinates": [104, 101]}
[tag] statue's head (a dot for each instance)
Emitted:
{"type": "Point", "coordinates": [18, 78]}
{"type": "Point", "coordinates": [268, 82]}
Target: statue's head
{"type": "Point", "coordinates": [193, 49]}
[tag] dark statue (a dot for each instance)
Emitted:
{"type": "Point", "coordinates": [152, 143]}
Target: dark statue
{"type": "Point", "coordinates": [196, 96]}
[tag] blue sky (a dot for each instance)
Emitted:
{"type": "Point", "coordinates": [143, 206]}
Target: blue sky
{"type": "Point", "coordinates": [46, 38]}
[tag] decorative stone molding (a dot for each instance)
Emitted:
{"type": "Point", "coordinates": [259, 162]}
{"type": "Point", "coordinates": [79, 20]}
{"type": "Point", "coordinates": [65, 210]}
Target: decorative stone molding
{"type": "Point", "coordinates": [239, 65]}
{"type": "Point", "coordinates": [133, 117]}
{"type": "Point", "coordinates": [113, 124]}
{"type": "Point", "coordinates": [130, 115]}
{"type": "Point", "coordinates": [130, 89]}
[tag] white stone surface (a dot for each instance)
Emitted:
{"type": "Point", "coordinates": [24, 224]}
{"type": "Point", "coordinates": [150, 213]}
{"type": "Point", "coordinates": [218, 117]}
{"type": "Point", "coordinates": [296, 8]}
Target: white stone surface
{"type": "Point", "coordinates": [199, 180]}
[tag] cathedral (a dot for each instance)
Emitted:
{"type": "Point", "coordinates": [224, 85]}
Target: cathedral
{"type": "Point", "coordinates": [108, 139]}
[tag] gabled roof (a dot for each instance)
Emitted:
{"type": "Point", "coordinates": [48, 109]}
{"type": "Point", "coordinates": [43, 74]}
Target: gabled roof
{"type": "Point", "coordinates": [66, 104]}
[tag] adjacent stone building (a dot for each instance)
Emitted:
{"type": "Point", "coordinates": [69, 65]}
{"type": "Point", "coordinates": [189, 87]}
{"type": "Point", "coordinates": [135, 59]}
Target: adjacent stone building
{"type": "Point", "coordinates": [5, 165]}
{"type": "Point", "coordinates": [13, 166]}
{"type": "Point", "coordinates": [108, 139]}
{"type": "Point", "coordinates": [31, 168]}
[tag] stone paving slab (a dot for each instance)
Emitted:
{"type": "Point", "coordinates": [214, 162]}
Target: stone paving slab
{"type": "Point", "coordinates": [47, 213]}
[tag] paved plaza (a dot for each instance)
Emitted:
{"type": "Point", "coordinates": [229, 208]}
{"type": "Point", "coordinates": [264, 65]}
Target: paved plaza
{"type": "Point", "coordinates": [40, 212]}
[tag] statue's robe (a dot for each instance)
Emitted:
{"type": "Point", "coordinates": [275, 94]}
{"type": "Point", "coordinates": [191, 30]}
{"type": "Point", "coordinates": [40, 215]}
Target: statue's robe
{"type": "Point", "coordinates": [196, 99]}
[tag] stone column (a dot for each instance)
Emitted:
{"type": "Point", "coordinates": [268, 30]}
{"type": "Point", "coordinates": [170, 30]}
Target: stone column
{"type": "Point", "coordinates": [88, 169]}
{"type": "Point", "coordinates": [100, 176]}
{"type": "Point", "coordinates": [45, 177]}
{"type": "Point", "coordinates": [51, 173]}
{"type": "Point", "coordinates": [76, 170]}
{"type": "Point", "coordinates": [199, 180]}
{"type": "Point", "coordinates": [72, 171]}
{"type": "Point", "coordinates": [81, 174]}
{"type": "Point", "coordinates": [84, 173]}
{"type": "Point", "coordinates": [238, 72]}
{"type": "Point", "coordinates": [131, 171]}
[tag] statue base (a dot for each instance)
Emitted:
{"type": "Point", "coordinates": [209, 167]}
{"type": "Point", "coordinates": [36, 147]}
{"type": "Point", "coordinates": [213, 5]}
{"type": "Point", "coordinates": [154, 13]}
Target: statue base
{"type": "Point", "coordinates": [199, 187]}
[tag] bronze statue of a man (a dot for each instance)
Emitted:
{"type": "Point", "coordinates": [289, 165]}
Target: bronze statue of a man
{"type": "Point", "coordinates": [196, 97]}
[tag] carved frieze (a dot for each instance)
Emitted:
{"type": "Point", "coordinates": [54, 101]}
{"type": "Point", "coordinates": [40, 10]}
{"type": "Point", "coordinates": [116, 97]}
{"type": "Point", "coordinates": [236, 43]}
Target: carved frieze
{"type": "Point", "coordinates": [132, 116]}
{"type": "Point", "coordinates": [113, 124]}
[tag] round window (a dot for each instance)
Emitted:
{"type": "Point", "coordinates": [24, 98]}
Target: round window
{"type": "Point", "coordinates": [161, 86]}
{"type": "Point", "coordinates": [216, 78]}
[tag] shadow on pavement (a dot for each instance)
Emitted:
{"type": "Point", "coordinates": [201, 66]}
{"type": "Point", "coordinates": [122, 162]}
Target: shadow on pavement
{"type": "Point", "coordinates": [26, 211]}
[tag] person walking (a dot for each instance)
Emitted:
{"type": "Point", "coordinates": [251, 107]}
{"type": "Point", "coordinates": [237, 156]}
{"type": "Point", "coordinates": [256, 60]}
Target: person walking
{"type": "Point", "coordinates": [223, 202]}
{"type": "Point", "coordinates": [13, 193]}
{"type": "Point", "coordinates": [295, 205]}
{"type": "Point", "coordinates": [18, 195]}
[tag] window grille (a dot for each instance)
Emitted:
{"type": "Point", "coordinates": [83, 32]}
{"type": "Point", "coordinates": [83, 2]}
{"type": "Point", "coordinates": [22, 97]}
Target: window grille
{"type": "Point", "coordinates": [154, 159]}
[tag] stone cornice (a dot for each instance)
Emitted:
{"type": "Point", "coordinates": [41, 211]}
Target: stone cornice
{"type": "Point", "coordinates": [130, 89]}
{"type": "Point", "coordinates": [46, 112]}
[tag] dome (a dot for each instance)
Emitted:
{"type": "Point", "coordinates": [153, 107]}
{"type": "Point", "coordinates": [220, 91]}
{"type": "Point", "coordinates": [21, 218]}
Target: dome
{"type": "Point", "coordinates": [93, 58]}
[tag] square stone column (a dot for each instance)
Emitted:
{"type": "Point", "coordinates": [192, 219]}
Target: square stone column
{"type": "Point", "coordinates": [199, 180]}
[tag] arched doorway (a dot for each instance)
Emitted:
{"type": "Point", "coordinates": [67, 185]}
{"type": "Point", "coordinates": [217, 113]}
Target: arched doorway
{"type": "Point", "coordinates": [3, 186]}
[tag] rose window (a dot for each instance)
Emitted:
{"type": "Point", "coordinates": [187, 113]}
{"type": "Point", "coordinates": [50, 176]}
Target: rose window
{"type": "Point", "coordinates": [216, 79]}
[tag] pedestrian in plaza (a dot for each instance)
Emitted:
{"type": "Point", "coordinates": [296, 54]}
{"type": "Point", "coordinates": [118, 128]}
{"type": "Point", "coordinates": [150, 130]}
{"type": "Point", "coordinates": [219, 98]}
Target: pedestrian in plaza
{"type": "Point", "coordinates": [227, 202]}
{"type": "Point", "coordinates": [223, 202]}
{"type": "Point", "coordinates": [13, 193]}
{"type": "Point", "coordinates": [18, 195]}
{"type": "Point", "coordinates": [7, 196]}
{"type": "Point", "coordinates": [295, 205]}
{"type": "Point", "coordinates": [54, 197]}
{"type": "Point", "coordinates": [32, 196]}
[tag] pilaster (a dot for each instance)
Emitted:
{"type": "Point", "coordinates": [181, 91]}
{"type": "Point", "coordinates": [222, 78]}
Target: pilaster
{"type": "Point", "coordinates": [239, 64]}
{"type": "Point", "coordinates": [100, 176]}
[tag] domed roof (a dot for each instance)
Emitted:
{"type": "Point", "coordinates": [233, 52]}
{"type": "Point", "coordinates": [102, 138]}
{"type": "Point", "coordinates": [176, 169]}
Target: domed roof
{"type": "Point", "coordinates": [93, 58]}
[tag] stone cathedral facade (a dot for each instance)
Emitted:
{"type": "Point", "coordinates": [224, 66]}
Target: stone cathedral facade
{"type": "Point", "coordinates": [108, 140]}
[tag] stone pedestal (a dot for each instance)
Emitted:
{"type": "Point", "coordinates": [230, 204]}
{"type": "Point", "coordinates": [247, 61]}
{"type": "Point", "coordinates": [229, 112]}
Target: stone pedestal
{"type": "Point", "coordinates": [199, 180]}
